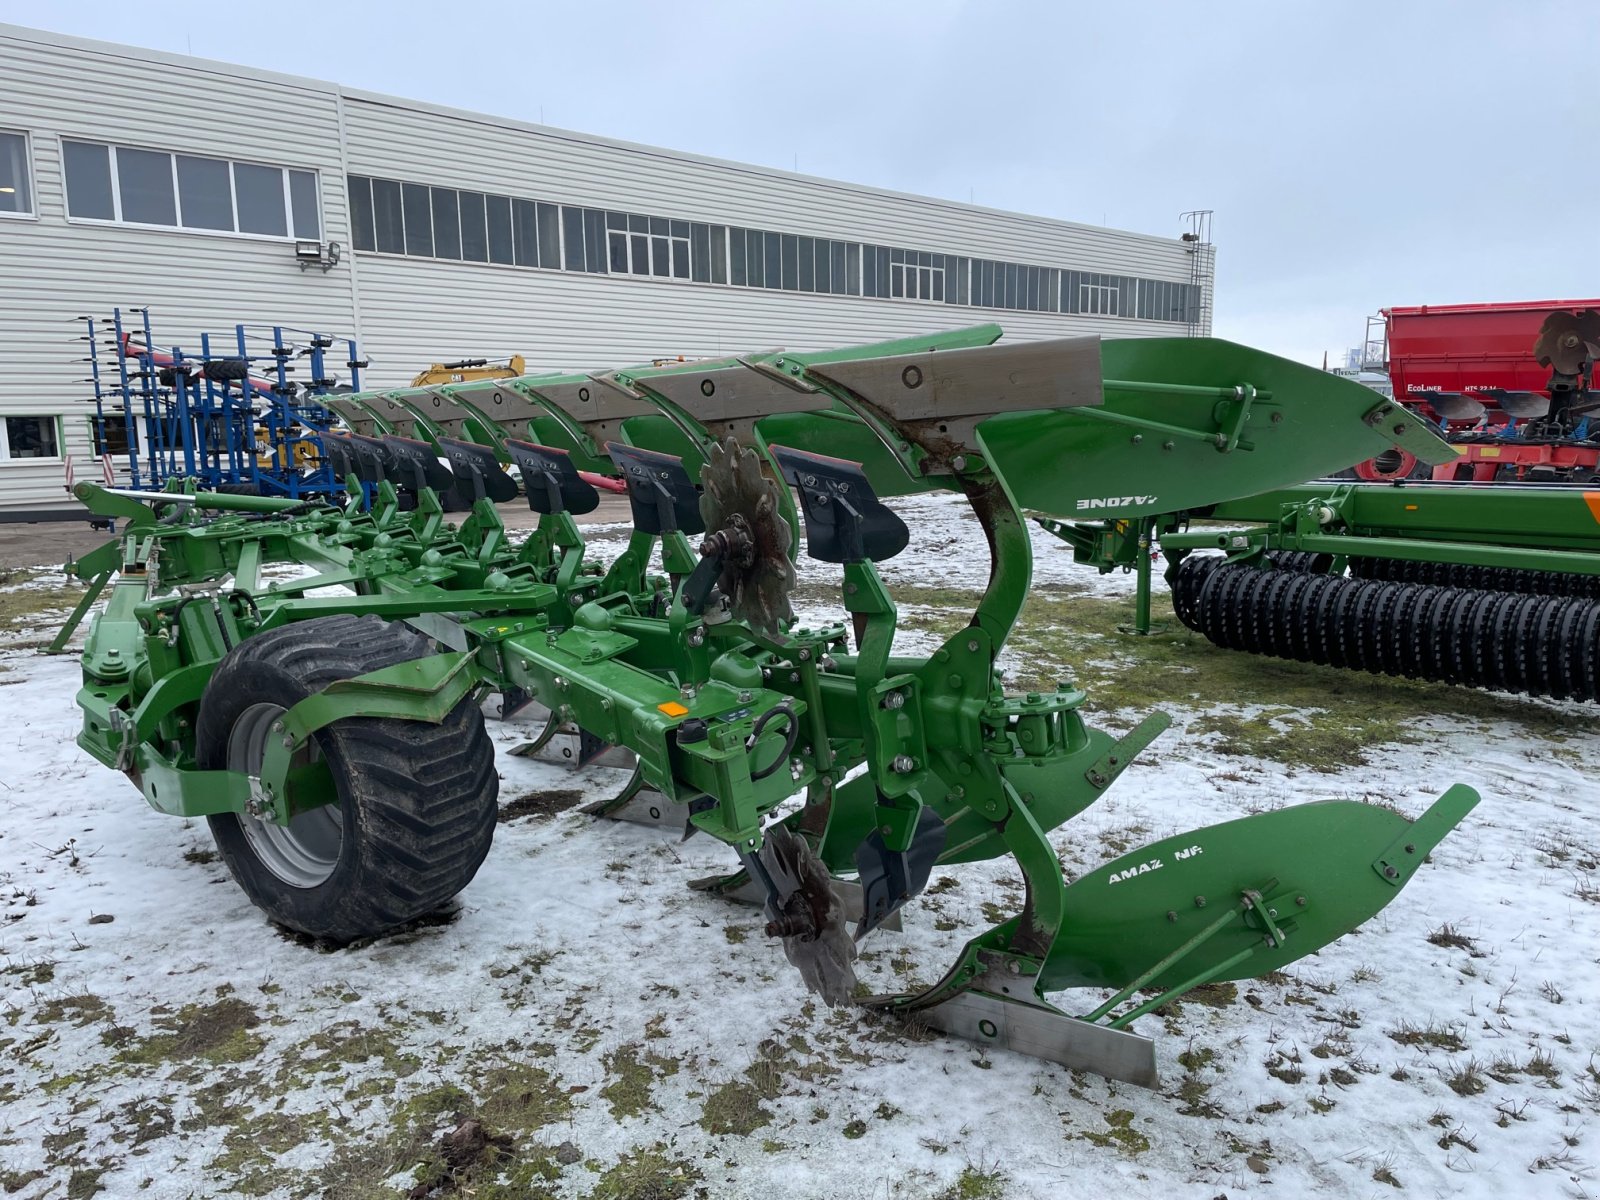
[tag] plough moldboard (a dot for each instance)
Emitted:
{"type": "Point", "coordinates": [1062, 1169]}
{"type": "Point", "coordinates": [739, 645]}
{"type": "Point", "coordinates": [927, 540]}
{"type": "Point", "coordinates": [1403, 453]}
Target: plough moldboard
{"type": "Point", "coordinates": [336, 742]}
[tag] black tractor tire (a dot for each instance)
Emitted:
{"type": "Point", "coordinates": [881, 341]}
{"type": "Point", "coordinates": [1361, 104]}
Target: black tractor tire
{"type": "Point", "coordinates": [416, 802]}
{"type": "Point", "coordinates": [237, 489]}
{"type": "Point", "coordinates": [226, 370]}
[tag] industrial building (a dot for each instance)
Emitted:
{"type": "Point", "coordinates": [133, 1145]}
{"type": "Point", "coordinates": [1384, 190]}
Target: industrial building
{"type": "Point", "coordinates": [225, 194]}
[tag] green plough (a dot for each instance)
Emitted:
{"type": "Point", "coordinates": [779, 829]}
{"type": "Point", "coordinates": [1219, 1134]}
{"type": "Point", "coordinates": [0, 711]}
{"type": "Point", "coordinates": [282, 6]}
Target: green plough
{"type": "Point", "coordinates": [329, 724]}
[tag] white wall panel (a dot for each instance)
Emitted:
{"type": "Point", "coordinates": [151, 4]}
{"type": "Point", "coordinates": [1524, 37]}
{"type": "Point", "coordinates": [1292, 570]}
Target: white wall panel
{"type": "Point", "coordinates": [410, 311]}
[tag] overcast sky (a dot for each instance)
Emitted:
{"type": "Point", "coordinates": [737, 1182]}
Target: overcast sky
{"type": "Point", "coordinates": [1356, 154]}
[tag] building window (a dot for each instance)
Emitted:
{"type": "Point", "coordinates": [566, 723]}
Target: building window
{"type": "Point", "coordinates": [205, 188]}
{"type": "Point", "coordinates": [29, 437]}
{"type": "Point", "coordinates": [1098, 299]}
{"type": "Point", "coordinates": [419, 220]}
{"type": "Point", "coordinates": [153, 187]}
{"type": "Point", "coordinates": [657, 246]}
{"type": "Point", "coordinates": [110, 434]}
{"type": "Point", "coordinates": [916, 275]}
{"type": "Point", "coordinates": [16, 193]}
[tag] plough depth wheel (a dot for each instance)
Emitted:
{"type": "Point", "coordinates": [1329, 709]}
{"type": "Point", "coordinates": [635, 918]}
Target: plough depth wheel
{"type": "Point", "coordinates": [410, 807]}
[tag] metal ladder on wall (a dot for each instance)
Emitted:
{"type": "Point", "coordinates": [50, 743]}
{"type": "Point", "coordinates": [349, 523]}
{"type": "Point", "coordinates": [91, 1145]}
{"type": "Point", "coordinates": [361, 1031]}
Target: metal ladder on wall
{"type": "Point", "coordinates": [1201, 256]}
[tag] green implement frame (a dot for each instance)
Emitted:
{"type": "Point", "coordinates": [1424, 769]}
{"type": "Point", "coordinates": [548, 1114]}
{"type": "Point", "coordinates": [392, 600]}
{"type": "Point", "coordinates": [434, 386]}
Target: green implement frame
{"type": "Point", "coordinates": [728, 708]}
{"type": "Point", "coordinates": [1549, 528]}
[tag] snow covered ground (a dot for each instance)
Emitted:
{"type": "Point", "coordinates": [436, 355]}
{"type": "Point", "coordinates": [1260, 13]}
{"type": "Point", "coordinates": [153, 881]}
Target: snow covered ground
{"type": "Point", "coordinates": [632, 1038]}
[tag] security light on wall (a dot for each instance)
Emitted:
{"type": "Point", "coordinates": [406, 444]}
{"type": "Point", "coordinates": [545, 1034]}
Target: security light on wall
{"type": "Point", "coordinates": [309, 252]}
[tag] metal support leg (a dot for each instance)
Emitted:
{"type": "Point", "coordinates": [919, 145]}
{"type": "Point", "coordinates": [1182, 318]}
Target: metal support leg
{"type": "Point", "coordinates": [96, 586]}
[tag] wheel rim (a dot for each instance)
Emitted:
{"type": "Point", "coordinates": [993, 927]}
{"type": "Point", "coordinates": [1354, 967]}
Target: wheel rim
{"type": "Point", "coordinates": [1393, 463]}
{"type": "Point", "coordinates": [304, 852]}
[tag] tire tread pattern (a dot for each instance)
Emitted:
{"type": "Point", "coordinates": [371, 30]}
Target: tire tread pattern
{"type": "Point", "coordinates": [424, 797]}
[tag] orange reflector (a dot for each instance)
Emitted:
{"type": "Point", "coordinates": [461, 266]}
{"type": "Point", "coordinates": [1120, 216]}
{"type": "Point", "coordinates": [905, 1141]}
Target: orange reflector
{"type": "Point", "coordinates": [1411, 508]}
{"type": "Point", "coordinates": [673, 709]}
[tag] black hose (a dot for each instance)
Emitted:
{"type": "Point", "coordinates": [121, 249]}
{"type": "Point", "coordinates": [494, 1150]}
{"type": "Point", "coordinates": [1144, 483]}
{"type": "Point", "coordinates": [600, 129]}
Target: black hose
{"type": "Point", "coordinates": [788, 744]}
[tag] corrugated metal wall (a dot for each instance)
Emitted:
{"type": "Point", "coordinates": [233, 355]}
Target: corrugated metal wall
{"type": "Point", "coordinates": [409, 311]}
{"type": "Point", "coordinates": [57, 270]}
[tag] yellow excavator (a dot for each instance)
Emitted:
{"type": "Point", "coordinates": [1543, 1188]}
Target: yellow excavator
{"type": "Point", "coordinates": [468, 369]}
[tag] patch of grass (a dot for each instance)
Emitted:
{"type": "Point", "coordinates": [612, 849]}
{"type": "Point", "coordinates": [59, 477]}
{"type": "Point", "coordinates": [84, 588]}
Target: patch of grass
{"type": "Point", "coordinates": [343, 1044]}
{"type": "Point", "coordinates": [144, 1120]}
{"type": "Point", "coordinates": [1213, 995]}
{"type": "Point", "coordinates": [540, 804]}
{"type": "Point", "coordinates": [734, 1108]}
{"type": "Point", "coordinates": [58, 1143]}
{"type": "Point", "coordinates": [1119, 1134]}
{"type": "Point", "coordinates": [200, 856]}
{"type": "Point", "coordinates": [633, 1074]}
{"type": "Point", "coordinates": [976, 1183]}
{"type": "Point", "coordinates": [1456, 1135]}
{"type": "Point", "coordinates": [83, 1008]}
{"type": "Point", "coordinates": [219, 1032]}
{"type": "Point", "coordinates": [855, 1129]}
{"type": "Point", "coordinates": [1193, 1091]}
{"type": "Point", "coordinates": [1433, 1036]}
{"type": "Point", "coordinates": [1448, 936]}
{"type": "Point", "coordinates": [22, 606]}
{"type": "Point", "coordinates": [647, 1175]}
{"type": "Point", "coordinates": [1120, 841]}
{"type": "Point", "coordinates": [1286, 1067]}
{"type": "Point", "coordinates": [1543, 1066]}
{"type": "Point", "coordinates": [1466, 1080]}
{"type": "Point", "coordinates": [84, 1182]}
{"type": "Point", "coordinates": [251, 1146]}
{"type": "Point", "coordinates": [510, 1098]}
{"type": "Point", "coordinates": [358, 1168]}
{"type": "Point", "coordinates": [32, 974]}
